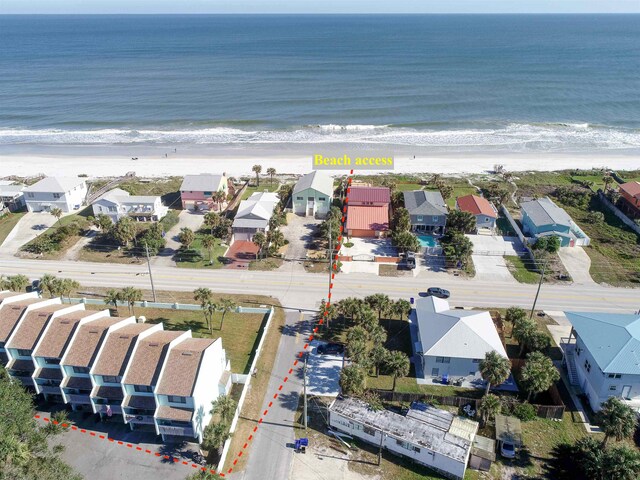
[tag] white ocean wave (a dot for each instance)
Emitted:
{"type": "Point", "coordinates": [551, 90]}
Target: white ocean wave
{"type": "Point", "coordinates": [515, 136]}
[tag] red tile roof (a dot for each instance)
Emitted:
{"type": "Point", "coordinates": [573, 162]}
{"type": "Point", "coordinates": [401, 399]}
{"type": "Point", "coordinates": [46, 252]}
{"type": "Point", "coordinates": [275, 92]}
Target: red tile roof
{"type": "Point", "coordinates": [632, 188]}
{"type": "Point", "coordinates": [369, 194]}
{"type": "Point", "coordinates": [476, 205]}
{"type": "Point", "coordinates": [368, 218]}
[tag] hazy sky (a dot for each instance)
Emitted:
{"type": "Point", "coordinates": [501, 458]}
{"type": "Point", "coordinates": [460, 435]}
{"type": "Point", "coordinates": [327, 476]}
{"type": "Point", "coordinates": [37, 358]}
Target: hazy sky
{"type": "Point", "coordinates": [319, 6]}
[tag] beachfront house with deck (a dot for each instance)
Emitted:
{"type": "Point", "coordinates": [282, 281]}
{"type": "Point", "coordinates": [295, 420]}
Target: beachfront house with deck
{"type": "Point", "coordinates": [630, 199]}
{"type": "Point", "coordinates": [483, 210]}
{"type": "Point", "coordinates": [52, 346]}
{"type": "Point", "coordinates": [195, 373]}
{"type": "Point", "coordinates": [312, 194]}
{"type": "Point", "coordinates": [602, 356]}
{"type": "Point", "coordinates": [12, 306]}
{"type": "Point", "coordinates": [28, 331]}
{"type": "Point", "coordinates": [141, 377]}
{"type": "Point", "coordinates": [197, 191]}
{"type": "Point", "coordinates": [427, 212]}
{"type": "Point", "coordinates": [253, 215]}
{"type": "Point", "coordinates": [111, 363]}
{"type": "Point", "coordinates": [66, 193]}
{"type": "Point", "coordinates": [451, 343]}
{"type": "Point", "coordinates": [12, 198]}
{"type": "Point", "coordinates": [368, 214]}
{"type": "Point", "coordinates": [427, 435]}
{"type": "Point", "coordinates": [543, 218]}
{"type": "Point", "coordinates": [80, 357]}
{"type": "Point", "coordinates": [118, 203]}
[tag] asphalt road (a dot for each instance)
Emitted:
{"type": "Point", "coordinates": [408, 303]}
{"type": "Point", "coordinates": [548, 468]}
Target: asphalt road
{"type": "Point", "coordinates": [303, 290]}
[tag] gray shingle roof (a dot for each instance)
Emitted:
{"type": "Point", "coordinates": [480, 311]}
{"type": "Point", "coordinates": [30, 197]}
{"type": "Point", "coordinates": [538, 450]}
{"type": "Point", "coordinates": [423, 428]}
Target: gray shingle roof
{"type": "Point", "coordinates": [316, 180]}
{"type": "Point", "coordinates": [205, 182]}
{"type": "Point", "coordinates": [423, 202]}
{"type": "Point", "coordinates": [544, 212]}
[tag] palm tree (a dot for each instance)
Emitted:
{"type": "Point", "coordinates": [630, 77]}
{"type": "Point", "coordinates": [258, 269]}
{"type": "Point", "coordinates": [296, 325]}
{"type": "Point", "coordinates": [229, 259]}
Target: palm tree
{"type": "Point", "coordinates": [46, 283]}
{"type": "Point", "coordinates": [67, 286]}
{"type": "Point", "coordinates": [538, 374]}
{"type": "Point", "coordinates": [56, 212]}
{"type": "Point", "coordinates": [398, 365]}
{"type": "Point", "coordinates": [203, 295]}
{"type": "Point", "coordinates": [271, 172]}
{"type": "Point", "coordinates": [522, 331]}
{"type": "Point", "coordinates": [219, 197]}
{"type": "Point", "coordinates": [209, 308]}
{"type": "Point", "coordinates": [402, 307]}
{"type": "Point", "coordinates": [211, 220]}
{"type": "Point", "coordinates": [186, 237]}
{"type": "Point", "coordinates": [352, 380]}
{"type": "Point", "coordinates": [214, 436]}
{"type": "Point", "coordinates": [489, 407]}
{"type": "Point", "coordinates": [257, 169]}
{"type": "Point", "coordinates": [17, 283]}
{"type": "Point", "coordinates": [617, 420]}
{"type": "Point", "coordinates": [224, 406]}
{"type": "Point", "coordinates": [607, 179]}
{"type": "Point", "coordinates": [379, 302]}
{"type": "Point", "coordinates": [259, 240]}
{"type": "Point", "coordinates": [131, 295]}
{"type": "Point", "coordinates": [112, 297]}
{"type": "Point", "coordinates": [208, 242]}
{"type": "Point", "coordinates": [276, 238]}
{"type": "Point", "coordinates": [378, 355]}
{"type": "Point", "coordinates": [494, 369]}
{"type": "Point", "coordinates": [102, 222]}
{"type": "Point", "coordinates": [226, 305]}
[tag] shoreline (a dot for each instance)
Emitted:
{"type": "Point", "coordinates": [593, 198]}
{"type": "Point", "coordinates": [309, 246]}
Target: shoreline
{"type": "Point", "coordinates": [237, 160]}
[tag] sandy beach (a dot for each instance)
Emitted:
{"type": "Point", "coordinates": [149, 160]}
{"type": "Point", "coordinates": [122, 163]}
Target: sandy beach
{"type": "Point", "coordinates": [162, 161]}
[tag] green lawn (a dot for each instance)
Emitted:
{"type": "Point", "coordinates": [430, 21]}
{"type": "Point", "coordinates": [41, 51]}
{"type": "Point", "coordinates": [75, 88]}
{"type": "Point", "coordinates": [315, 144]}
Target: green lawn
{"type": "Point", "coordinates": [80, 218]}
{"type": "Point", "coordinates": [403, 187]}
{"type": "Point", "coordinates": [7, 222]}
{"type": "Point", "coordinates": [522, 270]}
{"type": "Point", "coordinates": [239, 331]}
{"type": "Point", "coordinates": [265, 184]}
{"type": "Point", "coordinates": [203, 261]}
{"type": "Point", "coordinates": [156, 186]}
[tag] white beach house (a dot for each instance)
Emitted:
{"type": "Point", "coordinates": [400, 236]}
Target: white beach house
{"type": "Point", "coordinates": [312, 194]}
{"type": "Point", "coordinates": [118, 203]}
{"type": "Point", "coordinates": [65, 193]}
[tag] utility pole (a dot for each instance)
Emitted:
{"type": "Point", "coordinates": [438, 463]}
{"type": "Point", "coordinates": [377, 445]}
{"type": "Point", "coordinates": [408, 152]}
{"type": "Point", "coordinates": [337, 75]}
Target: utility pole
{"type": "Point", "coordinates": [304, 383]}
{"type": "Point", "coordinates": [538, 292]}
{"type": "Point", "coordinates": [380, 447]}
{"type": "Point", "coordinates": [153, 288]}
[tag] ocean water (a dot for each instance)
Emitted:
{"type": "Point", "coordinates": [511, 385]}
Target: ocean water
{"type": "Point", "coordinates": [451, 82]}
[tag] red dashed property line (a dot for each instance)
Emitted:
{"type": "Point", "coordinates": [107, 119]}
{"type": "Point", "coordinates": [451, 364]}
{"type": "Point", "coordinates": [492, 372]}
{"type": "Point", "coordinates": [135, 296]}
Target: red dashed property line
{"type": "Point", "coordinates": [128, 445]}
{"type": "Point", "coordinates": [315, 330]}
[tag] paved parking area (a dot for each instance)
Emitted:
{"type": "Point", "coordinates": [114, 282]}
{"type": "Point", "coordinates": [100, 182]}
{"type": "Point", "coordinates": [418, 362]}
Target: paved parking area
{"type": "Point", "coordinates": [240, 253]}
{"type": "Point", "coordinates": [496, 245]}
{"type": "Point", "coordinates": [577, 263]}
{"type": "Point", "coordinates": [376, 247]}
{"type": "Point", "coordinates": [100, 459]}
{"type": "Point", "coordinates": [323, 372]}
{"type": "Point", "coordinates": [299, 231]}
{"type": "Point", "coordinates": [492, 267]}
{"type": "Point", "coordinates": [29, 227]}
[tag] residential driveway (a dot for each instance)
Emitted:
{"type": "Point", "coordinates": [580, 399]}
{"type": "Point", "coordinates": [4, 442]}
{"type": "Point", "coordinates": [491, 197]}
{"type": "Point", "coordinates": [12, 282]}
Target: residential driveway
{"type": "Point", "coordinates": [323, 372]}
{"type": "Point", "coordinates": [577, 263]}
{"type": "Point", "coordinates": [495, 245]}
{"type": "Point", "coordinates": [374, 247]}
{"type": "Point", "coordinates": [186, 218]}
{"type": "Point", "coordinates": [29, 227]}
{"type": "Point", "coordinates": [240, 253]}
{"type": "Point", "coordinates": [101, 459]}
{"type": "Point", "coordinates": [361, 267]}
{"type": "Point", "coordinates": [491, 267]}
{"type": "Point", "coordinates": [299, 231]}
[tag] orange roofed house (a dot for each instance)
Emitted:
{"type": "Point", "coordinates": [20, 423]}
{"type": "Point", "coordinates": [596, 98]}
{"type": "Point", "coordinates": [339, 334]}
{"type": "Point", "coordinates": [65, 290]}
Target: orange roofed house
{"type": "Point", "coordinates": [368, 211]}
{"type": "Point", "coordinates": [630, 199]}
{"type": "Point", "coordinates": [485, 213]}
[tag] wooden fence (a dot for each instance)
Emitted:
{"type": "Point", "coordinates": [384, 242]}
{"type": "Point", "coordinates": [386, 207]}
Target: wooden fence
{"type": "Point", "coordinates": [422, 397]}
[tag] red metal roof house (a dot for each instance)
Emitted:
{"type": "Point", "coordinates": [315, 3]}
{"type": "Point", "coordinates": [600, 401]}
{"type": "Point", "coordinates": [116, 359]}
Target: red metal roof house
{"type": "Point", "coordinates": [630, 198]}
{"type": "Point", "coordinates": [368, 212]}
{"type": "Point", "coordinates": [480, 208]}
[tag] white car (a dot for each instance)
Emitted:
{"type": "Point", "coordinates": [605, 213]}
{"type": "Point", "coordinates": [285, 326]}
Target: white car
{"type": "Point", "coordinates": [508, 450]}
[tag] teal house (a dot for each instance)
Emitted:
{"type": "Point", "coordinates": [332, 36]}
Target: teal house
{"type": "Point", "coordinates": [312, 194]}
{"type": "Point", "coordinates": [542, 217]}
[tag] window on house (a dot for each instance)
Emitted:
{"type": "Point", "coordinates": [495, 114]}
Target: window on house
{"type": "Point", "coordinates": [299, 198]}
{"type": "Point", "coordinates": [52, 361]}
{"type": "Point", "coordinates": [109, 379]}
{"type": "Point", "coordinates": [615, 375]}
{"type": "Point", "coordinates": [443, 359]}
{"type": "Point", "coordinates": [30, 194]}
{"type": "Point", "coordinates": [369, 431]}
{"type": "Point", "coordinates": [416, 449]}
{"type": "Point", "coordinates": [23, 352]}
{"type": "Point", "coordinates": [587, 366]}
{"type": "Point", "coordinates": [435, 372]}
{"type": "Point", "coordinates": [434, 219]}
{"type": "Point", "coordinates": [612, 388]}
{"type": "Point", "coordinates": [142, 388]}
{"type": "Point", "coordinates": [322, 199]}
{"type": "Point", "coordinates": [112, 209]}
{"type": "Point", "coordinates": [81, 369]}
{"type": "Point", "coordinates": [56, 195]}
{"type": "Point", "coordinates": [420, 218]}
{"type": "Point", "coordinates": [176, 399]}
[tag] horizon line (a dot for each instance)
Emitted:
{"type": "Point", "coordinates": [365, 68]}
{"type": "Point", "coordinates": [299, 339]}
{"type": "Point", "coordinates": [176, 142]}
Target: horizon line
{"type": "Point", "coordinates": [96, 14]}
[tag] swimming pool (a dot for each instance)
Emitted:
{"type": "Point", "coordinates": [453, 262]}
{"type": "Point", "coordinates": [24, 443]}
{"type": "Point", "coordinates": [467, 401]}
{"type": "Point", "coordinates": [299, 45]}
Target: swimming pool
{"type": "Point", "coordinates": [427, 241]}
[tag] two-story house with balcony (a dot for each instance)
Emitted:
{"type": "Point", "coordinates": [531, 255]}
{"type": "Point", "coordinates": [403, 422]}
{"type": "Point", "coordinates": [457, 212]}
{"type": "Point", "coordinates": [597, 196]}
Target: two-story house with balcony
{"type": "Point", "coordinates": [602, 356]}
{"type": "Point", "coordinates": [630, 199]}
{"type": "Point", "coordinates": [51, 348]}
{"type": "Point", "coordinates": [142, 374]}
{"type": "Point", "coordinates": [253, 215]}
{"type": "Point", "coordinates": [483, 210]}
{"type": "Point", "coordinates": [368, 211]}
{"type": "Point", "coordinates": [197, 191]}
{"type": "Point", "coordinates": [312, 194]}
{"type": "Point", "coordinates": [65, 193]}
{"type": "Point", "coordinates": [80, 357]}
{"type": "Point", "coordinates": [12, 197]}
{"type": "Point", "coordinates": [12, 306]}
{"type": "Point", "coordinates": [543, 218]}
{"type": "Point", "coordinates": [194, 374]}
{"type": "Point", "coordinates": [427, 212]}
{"type": "Point", "coordinates": [27, 333]}
{"type": "Point", "coordinates": [114, 356]}
{"type": "Point", "coordinates": [118, 203]}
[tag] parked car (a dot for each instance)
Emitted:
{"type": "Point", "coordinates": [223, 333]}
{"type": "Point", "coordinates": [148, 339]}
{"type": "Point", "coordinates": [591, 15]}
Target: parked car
{"type": "Point", "coordinates": [35, 286]}
{"type": "Point", "coordinates": [507, 450]}
{"type": "Point", "coordinates": [438, 292]}
{"type": "Point", "coordinates": [331, 349]}
{"type": "Point", "coordinates": [408, 260]}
